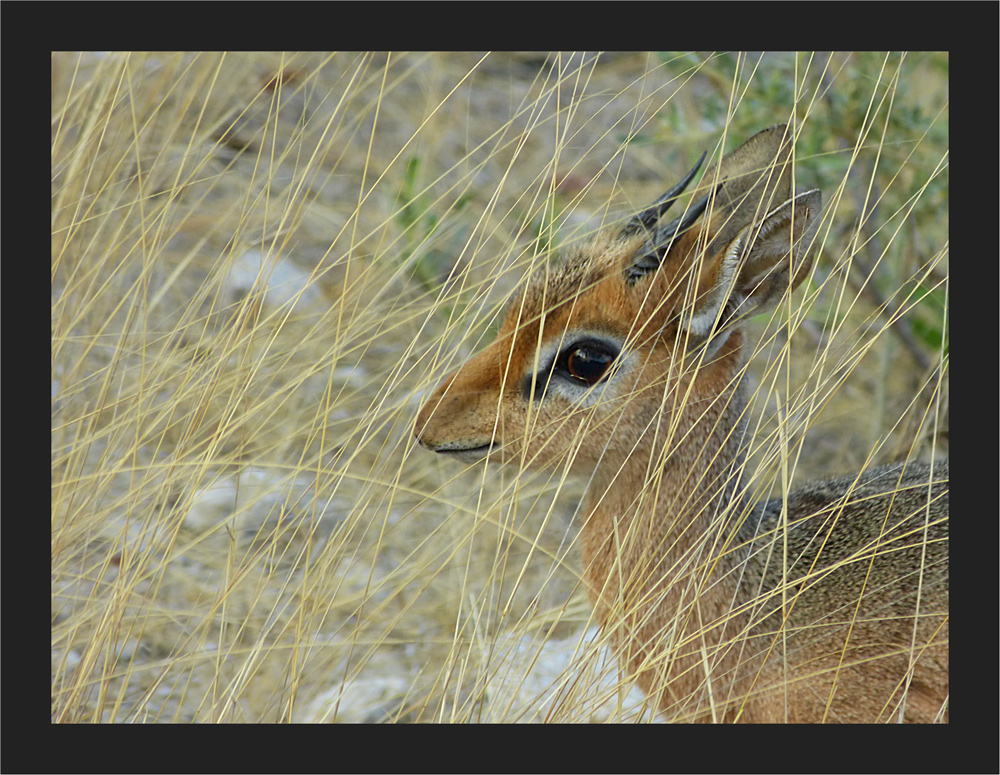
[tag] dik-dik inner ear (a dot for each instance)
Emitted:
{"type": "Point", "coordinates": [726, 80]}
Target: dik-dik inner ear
{"type": "Point", "coordinates": [751, 274]}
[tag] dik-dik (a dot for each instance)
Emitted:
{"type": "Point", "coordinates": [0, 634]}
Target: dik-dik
{"type": "Point", "coordinates": [624, 362]}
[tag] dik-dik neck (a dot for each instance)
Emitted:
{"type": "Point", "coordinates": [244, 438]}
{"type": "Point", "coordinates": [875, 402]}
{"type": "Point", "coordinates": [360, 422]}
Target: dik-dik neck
{"type": "Point", "coordinates": [665, 499]}
{"type": "Point", "coordinates": [662, 577]}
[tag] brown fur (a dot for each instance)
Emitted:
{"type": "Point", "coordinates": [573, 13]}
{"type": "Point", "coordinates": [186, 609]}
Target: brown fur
{"type": "Point", "coordinates": [723, 610]}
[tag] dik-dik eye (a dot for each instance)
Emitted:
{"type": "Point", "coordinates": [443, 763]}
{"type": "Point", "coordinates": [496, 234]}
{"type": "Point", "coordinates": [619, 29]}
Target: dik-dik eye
{"type": "Point", "coordinates": [587, 362]}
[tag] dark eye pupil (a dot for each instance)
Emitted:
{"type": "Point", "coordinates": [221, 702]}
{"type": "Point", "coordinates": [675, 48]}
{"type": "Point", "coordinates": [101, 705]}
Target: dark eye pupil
{"type": "Point", "coordinates": [588, 364]}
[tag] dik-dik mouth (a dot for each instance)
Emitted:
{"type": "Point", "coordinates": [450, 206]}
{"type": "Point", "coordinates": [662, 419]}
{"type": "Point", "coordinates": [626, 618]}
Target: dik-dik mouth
{"type": "Point", "coordinates": [458, 452]}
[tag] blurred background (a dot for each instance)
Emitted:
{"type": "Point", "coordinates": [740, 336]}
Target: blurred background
{"type": "Point", "coordinates": [262, 262]}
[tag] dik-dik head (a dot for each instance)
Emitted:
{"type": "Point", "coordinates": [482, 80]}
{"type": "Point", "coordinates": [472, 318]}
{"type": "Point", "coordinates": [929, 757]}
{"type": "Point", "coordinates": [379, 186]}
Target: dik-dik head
{"type": "Point", "coordinates": [596, 350]}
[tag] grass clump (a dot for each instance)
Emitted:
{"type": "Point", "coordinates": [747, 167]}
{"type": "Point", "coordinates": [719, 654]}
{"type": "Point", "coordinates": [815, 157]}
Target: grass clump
{"type": "Point", "coordinates": [261, 262]}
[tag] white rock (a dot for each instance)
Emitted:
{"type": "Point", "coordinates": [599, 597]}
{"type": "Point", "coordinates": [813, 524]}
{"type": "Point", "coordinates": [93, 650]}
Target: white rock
{"type": "Point", "coordinates": [572, 680]}
{"type": "Point", "coordinates": [281, 281]}
{"type": "Point", "coordinates": [368, 698]}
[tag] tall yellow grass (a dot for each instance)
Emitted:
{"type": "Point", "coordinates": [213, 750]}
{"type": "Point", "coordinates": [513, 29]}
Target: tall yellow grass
{"type": "Point", "coordinates": [261, 262]}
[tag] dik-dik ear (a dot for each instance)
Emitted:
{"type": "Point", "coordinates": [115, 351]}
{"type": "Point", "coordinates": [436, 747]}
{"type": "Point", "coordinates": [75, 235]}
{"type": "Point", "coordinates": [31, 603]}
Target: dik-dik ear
{"type": "Point", "coordinates": [750, 275]}
{"type": "Point", "coordinates": [754, 180]}
{"type": "Point", "coordinates": [747, 184]}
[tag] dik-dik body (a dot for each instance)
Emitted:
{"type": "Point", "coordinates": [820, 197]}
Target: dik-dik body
{"type": "Point", "coordinates": [624, 363]}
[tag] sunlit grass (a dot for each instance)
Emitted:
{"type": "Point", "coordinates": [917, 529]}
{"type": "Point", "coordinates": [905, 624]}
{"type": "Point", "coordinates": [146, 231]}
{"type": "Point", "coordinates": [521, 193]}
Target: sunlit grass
{"type": "Point", "coordinates": [260, 263]}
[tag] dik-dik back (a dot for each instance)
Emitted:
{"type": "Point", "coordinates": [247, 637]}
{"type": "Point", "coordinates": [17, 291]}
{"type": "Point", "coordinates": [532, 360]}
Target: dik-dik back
{"type": "Point", "coordinates": [624, 363]}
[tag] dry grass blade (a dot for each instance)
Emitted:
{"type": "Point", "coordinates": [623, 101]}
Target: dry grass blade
{"type": "Point", "coordinates": [263, 263]}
